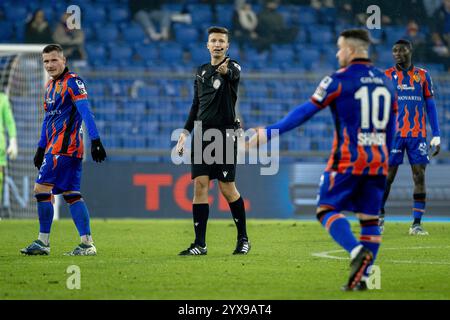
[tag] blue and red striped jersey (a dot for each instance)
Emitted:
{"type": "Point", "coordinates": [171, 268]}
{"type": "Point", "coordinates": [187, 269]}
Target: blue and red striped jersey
{"type": "Point", "coordinates": [62, 121]}
{"type": "Point", "coordinates": [363, 105]}
{"type": "Point", "coordinates": [413, 86]}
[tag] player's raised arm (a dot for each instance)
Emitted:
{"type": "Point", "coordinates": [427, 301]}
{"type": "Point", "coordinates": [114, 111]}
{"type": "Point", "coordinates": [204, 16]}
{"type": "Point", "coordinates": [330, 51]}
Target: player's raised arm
{"type": "Point", "coordinates": [78, 95]}
{"type": "Point", "coordinates": [328, 89]}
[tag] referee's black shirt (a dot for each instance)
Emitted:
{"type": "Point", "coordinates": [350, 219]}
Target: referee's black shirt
{"type": "Point", "coordinates": [215, 96]}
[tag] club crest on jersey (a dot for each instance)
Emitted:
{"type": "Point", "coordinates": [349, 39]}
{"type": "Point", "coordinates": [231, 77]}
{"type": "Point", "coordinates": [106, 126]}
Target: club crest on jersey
{"type": "Point", "coordinates": [58, 87]}
{"type": "Point", "coordinates": [416, 76]}
{"type": "Point", "coordinates": [423, 148]}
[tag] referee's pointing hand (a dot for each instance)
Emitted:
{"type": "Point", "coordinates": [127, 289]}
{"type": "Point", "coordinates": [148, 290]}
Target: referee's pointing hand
{"type": "Point", "coordinates": [223, 68]}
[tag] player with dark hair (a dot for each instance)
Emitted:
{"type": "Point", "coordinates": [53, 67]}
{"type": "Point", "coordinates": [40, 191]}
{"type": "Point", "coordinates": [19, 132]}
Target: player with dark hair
{"type": "Point", "coordinates": [415, 95]}
{"type": "Point", "coordinates": [362, 103]}
{"type": "Point", "coordinates": [215, 94]}
{"type": "Point", "coordinates": [60, 152]}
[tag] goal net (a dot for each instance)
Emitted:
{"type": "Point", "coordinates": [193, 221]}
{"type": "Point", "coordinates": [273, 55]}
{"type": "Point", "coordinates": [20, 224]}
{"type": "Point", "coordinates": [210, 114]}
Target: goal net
{"type": "Point", "coordinates": [22, 79]}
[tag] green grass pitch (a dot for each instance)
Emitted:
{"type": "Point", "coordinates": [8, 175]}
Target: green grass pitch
{"type": "Point", "coordinates": [137, 259]}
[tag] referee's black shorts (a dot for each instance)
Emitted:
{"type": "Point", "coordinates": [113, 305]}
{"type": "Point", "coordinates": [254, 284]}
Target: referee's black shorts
{"type": "Point", "coordinates": [223, 167]}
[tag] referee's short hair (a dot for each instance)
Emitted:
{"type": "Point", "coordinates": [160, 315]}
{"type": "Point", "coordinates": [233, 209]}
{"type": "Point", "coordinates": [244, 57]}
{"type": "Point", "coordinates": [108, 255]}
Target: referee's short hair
{"type": "Point", "coordinates": [215, 29]}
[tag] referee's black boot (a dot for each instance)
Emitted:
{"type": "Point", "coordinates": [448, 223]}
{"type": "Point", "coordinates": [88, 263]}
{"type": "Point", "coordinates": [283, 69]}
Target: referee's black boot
{"type": "Point", "coordinates": [242, 247]}
{"type": "Point", "coordinates": [194, 250]}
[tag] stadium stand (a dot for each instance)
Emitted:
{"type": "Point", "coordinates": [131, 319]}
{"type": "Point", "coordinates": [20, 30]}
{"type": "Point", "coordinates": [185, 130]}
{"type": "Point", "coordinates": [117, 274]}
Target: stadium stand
{"type": "Point", "coordinates": [142, 90]}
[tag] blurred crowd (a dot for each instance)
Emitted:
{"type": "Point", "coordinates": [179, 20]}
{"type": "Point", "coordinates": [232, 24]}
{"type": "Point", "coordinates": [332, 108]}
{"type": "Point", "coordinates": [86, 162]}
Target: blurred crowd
{"type": "Point", "coordinates": [426, 23]}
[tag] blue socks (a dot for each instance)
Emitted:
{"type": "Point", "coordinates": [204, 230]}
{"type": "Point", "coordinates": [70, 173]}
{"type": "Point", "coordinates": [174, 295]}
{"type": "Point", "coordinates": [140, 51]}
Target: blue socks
{"type": "Point", "coordinates": [370, 235]}
{"type": "Point", "coordinates": [339, 228]}
{"type": "Point", "coordinates": [79, 212]}
{"type": "Point", "coordinates": [370, 238]}
{"type": "Point", "coordinates": [419, 207]}
{"type": "Point", "coordinates": [45, 211]}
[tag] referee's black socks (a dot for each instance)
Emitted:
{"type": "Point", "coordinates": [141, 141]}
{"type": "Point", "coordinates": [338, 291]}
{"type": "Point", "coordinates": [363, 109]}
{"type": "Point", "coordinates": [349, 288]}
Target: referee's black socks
{"type": "Point", "coordinates": [238, 211]}
{"type": "Point", "coordinates": [201, 213]}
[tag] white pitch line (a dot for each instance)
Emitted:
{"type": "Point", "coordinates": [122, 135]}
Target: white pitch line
{"type": "Point", "coordinates": [328, 255]}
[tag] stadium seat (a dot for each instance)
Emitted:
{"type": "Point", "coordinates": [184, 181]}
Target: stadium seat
{"type": "Point", "coordinates": [393, 34]}
{"type": "Point", "coordinates": [308, 55]}
{"type": "Point", "coordinates": [147, 52]}
{"type": "Point", "coordinates": [307, 16]}
{"type": "Point", "coordinates": [225, 18]}
{"type": "Point", "coordinates": [95, 50]}
{"type": "Point", "coordinates": [185, 34]}
{"type": "Point", "coordinates": [171, 53]}
{"type": "Point", "coordinates": [7, 31]}
{"type": "Point", "coordinates": [148, 91]}
{"type": "Point", "coordinates": [134, 142]}
{"type": "Point", "coordinates": [201, 14]}
{"type": "Point", "coordinates": [111, 143]}
{"type": "Point", "coordinates": [118, 14]}
{"type": "Point", "coordinates": [95, 89]}
{"type": "Point", "coordinates": [16, 13]}
{"type": "Point", "coordinates": [377, 35]}
{"type": "Point", "coordinates": [287, 15]}
{"type": "Point", "coordinates": [321, 35]}
{"type": "Point", "coordinates": [117, 54]}
{"type": "Point", "coordinates": [199, 55]}
{"type": "Point", "coordinates": [133, 33]}
{"type": "Point", "coordinates": [107, 33]}
{"type": "Point", "coordinates": [328, 15]}
{"type": "Point", "coordinates": [173, 7]}
{"type": "Point", "coordinates": [285, 54]}
{"type": "Point", "coordinates": [93, 14]}
{"type": "Point", "coordinates": [385, 57]}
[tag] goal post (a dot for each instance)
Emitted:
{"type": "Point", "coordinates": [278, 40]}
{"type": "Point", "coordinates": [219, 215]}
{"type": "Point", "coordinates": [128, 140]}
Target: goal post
{"type": "Point", "coordinates": [23, 79]}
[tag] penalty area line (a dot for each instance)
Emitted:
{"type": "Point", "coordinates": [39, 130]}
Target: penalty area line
{"type": "Point", "coordinates": [329, 255]}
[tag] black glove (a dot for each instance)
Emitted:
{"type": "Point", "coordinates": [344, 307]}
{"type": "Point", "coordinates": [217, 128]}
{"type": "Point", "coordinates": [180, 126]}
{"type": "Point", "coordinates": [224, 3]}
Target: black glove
{"type": "Point", "coordinates": [39, 157]}
{"type": "Point", "coordinates": [97, 150]}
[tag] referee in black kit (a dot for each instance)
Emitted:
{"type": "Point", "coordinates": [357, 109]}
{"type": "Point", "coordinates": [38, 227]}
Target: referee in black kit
{"type": "Point", "coordinates": [215, 94]}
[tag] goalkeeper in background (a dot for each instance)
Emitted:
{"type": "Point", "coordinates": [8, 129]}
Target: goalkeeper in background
{"type": "Point", "coordinates": [10, 149]}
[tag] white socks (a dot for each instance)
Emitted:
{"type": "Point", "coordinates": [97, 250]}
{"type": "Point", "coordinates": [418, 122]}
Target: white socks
{"type": "Point", "coordinates": [355, 251]}
{"type": "Point", "coordinates": [44, 237]}
{"type": "Point", "coordinates": [86, 239]}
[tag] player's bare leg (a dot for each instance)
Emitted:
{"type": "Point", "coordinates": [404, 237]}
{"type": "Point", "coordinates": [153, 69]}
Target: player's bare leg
{"type": "Point", "coordinates": [201, 187]}
{"type": "Point", "coordinates": [418, 173]}
{"type": "Point", "coordinates": [237, 207]}
{"type": "Point", "coordinates": [392, 172]}
{"type": "Point", "coordinates": [41, 246]}
{"type": "Point", "coordinates": [200, 212]}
